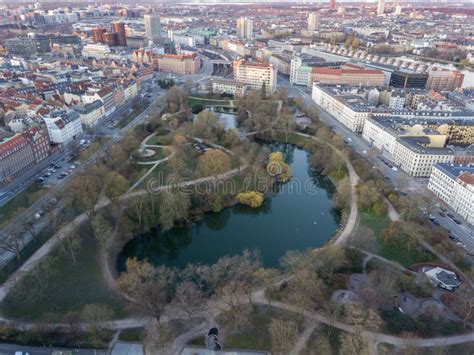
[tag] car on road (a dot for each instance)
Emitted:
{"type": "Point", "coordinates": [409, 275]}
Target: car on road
{"type": "Point", "coordinates": [452, 237]}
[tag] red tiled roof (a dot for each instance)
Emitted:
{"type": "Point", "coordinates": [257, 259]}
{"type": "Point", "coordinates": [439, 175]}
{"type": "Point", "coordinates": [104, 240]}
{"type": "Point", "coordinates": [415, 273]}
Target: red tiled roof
{"type": "Point", "coordinates": [12, 143]}
{"type": "Point", "coordinates": [467, 178]}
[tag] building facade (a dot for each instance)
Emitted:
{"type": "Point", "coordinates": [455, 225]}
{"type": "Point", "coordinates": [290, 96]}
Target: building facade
{"type": "Point", "coordinates": [179, 64]}
{"type": "Point", "coordinates": [244, 28]}
{"type": "Point", "coordinates": [255, 74]}
{"type": "Point", "coordinates": [454, 184]}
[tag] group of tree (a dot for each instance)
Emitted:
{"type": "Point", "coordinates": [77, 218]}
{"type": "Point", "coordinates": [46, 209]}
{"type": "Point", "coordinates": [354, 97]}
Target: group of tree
{"type": "Point", "coordinates": [229, 282]}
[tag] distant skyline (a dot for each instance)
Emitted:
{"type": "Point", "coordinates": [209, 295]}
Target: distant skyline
{"type": "Point", "coordinates": [226, 2]}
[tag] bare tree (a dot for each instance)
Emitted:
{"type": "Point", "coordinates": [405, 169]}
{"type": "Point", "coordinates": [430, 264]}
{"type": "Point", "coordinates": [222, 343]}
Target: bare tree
{"type": "Point", "coordinates": [283, 335]}
{"type": "Point", "coordinates": [189, 298]}
{"type": "Point", "coordinates": [13, 243]}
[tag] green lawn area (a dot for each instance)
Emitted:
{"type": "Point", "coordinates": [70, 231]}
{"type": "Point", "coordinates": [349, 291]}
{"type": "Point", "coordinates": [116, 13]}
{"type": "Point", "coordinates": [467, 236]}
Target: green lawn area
{"type": "Point", "coordinates": [132, 334]}
{"type": "Point", "coordinates": [375, 223]}
{"type": "Point", "coordinates": [256, 336]}
{"type": "Point", "coordinates": [398, 252]}
{"type": "Point", "coordinates": [321, 334]}
{"type": "Point", "coordinates": [63, 287]}
{"type": "Point", "coordinates": [161, 140]}
{"type": "Point", "coordinates": [195, 101]}
{"type": "Point", "coordinates": [293, 138]}
{"type": "Point", "coordinates": [88, 152]}
{"type": "Point", "coordinates": [25, 254]}
{"type": "Point", "coordinates": [20, 202]}
{"type": "Point", "coordinates": [130, 117]}
{"type": "Point", "coordinates": [406, 257]}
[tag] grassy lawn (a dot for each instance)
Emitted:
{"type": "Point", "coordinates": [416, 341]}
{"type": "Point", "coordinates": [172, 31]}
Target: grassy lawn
{"type": "Point", "coordinates": [63, 287]}
{"type": "Point", "coordinates": [25, 254]}
{"type": "Point", "coordinates": [256, 336]}
{"type": "Point", "coordinates": [321, 334]}
{"type": "Point", "coordinates": [293, 138]}
{"type": "Point", "coordinates": [20, 202]}
{"type": "Point", "coordinates": [194, 101]}
{"type": "Point", "coordinates": [375, 223]}
{"type": "Point", "coordinates": [406, 257]}
{"type": "Point", "coordinates": [132, 334]}
{"type": "Point", "coordinates": [393, 251]}
{"type": "Point", "coordinates": [160, 140]}
{"type": "Point", "coordinates": [130, 117]}
{"type": "Point", "coordinates": [88, 152]}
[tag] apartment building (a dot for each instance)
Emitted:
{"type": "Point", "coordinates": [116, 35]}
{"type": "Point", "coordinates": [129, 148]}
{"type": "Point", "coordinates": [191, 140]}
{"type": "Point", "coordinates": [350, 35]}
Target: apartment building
{"type": "Point", "coordinates": [444, 80]}
{"type": "Point", "coordinates": [63, 126]}
{"type": "Point", "coordinates": [454, 184]}
{"type": "Point", "coordinates": [255, 74]}
{"type": "Point", "coordinates": [16, 156]}
{"type": "Point", "coordinates": [231, 87]}
{"type": "Point", "coordinates": [179, 64]}
{"type": "Point", "coordinates": [347, 74]}
{"type": "Point", "coordinates": [91, 114]}
{"type": "Point", "coordinates": [300, 68]}
{"type": "Point", "coordinates": [244, 28]}
{"type": "Point", "coordinates": [416, 157]}
{"type": "Point", "coordinates": [349, 109]}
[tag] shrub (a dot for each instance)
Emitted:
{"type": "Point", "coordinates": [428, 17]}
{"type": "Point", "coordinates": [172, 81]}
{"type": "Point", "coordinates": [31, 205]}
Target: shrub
{"type": "Point", "coordinates": [253, 199]}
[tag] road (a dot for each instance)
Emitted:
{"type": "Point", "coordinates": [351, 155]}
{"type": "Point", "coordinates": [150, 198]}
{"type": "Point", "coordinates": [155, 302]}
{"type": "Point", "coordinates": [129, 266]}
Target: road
{"type": "Point", "coordinates": [10, 349]}
{"type": "Point", "coordinates": [398, 179]}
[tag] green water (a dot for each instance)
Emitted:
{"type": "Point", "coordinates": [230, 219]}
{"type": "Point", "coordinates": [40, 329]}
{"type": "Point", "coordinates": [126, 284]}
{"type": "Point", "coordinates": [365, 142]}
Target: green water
{"type": "Point", "coordinates": [297, 217]}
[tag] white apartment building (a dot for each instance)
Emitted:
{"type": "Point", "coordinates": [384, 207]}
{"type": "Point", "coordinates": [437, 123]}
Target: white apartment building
{"type": "Point", "coordinates": [350, 110]}
{"type": "Point", "coordinates": [397, 102]}
{"type": "Point", "coordinates": [414, 156]}
{"type": "Point", "coordinates": [63, 126]}
{"type": "Point", "coordinates": [313, 21]}
{"type": "Point", "coordinates": [454, 184]}
{"type": "Point", "coordinates": [96, 50]}
{"type": "Point", "coordinates": [130, 90]}
{"type": "Point", "coordinates": [378, 136]}
{"type": "Point", "coordinates": [152, 26]}
{"type": "Point", "coordinates": [255, 74]}
{"type": "Point", "coordinates": [224, 86]}
{"type": "Point", "coordinates": [244, 28]}
{"type": "Point", "coordinates": [91, 114]}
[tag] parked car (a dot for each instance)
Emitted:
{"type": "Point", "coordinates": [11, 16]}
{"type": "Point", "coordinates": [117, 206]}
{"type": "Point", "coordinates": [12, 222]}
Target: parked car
{"type": "Point", "coordinates": [450, 215]}
{"type": "Point", "coordinates": [457, 221]}
{"type": "Point", "coordinates": [442, 214]}
{"type": "Point", "coordinates": [435, 222]}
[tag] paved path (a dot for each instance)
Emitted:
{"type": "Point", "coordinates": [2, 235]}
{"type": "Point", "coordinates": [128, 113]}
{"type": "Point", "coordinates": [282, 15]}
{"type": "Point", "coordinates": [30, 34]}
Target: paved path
{"type": "Point", "coordinates": [303, 338]}
{"type": "Point", "coordinates": [260, 298]}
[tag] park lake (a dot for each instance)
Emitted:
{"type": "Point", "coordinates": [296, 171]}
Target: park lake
{"type": "Point", "coordinates": [298, 216]}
